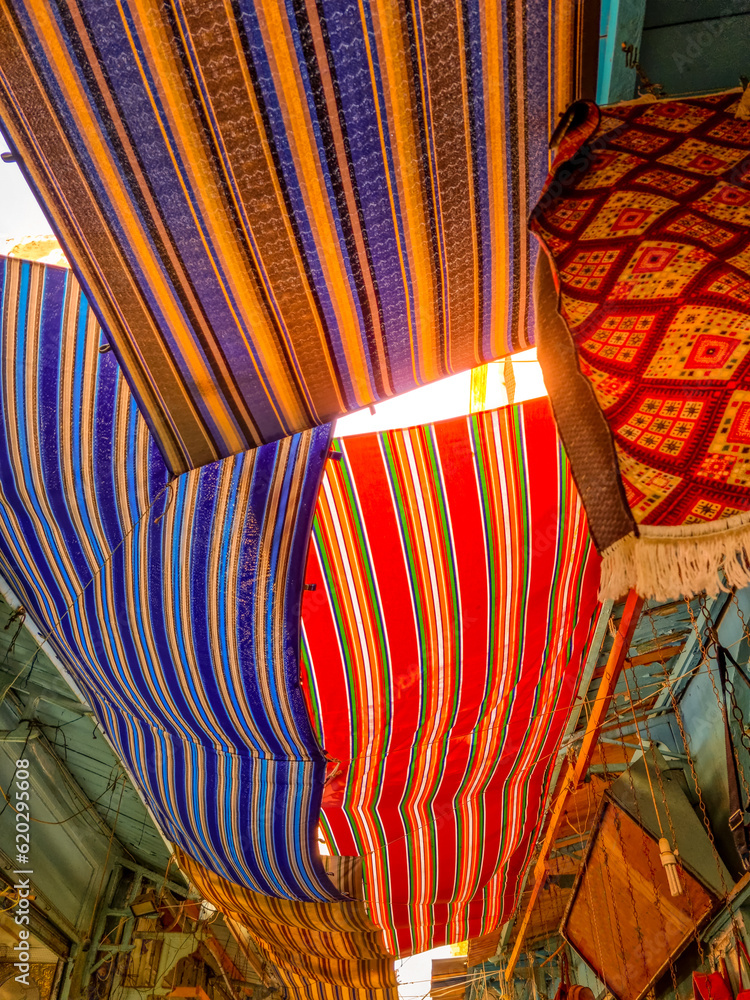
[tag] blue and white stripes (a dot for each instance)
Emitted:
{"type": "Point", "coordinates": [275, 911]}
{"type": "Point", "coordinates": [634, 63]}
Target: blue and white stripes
{"type": "Point", "coordinates": [173, 601]}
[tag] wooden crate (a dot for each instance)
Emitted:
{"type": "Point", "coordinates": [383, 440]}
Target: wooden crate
{"type": "Point", "coordinates": [621, 918]}
{"type": "Point", "coordinates": [449, 977]}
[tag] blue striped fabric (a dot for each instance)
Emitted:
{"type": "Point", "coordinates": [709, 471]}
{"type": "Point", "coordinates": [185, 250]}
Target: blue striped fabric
{"type": "Point", "coordinates": [173, 601]}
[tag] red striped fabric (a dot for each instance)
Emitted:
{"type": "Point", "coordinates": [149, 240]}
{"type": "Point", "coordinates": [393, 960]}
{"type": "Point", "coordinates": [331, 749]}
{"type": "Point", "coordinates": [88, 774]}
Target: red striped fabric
{"type": "Point", "coordinates": [455, 587]}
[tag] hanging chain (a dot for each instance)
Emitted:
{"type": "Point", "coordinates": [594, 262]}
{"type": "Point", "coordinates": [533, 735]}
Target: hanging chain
{"type": "Point", "coordinates": [694, 775]}
{"type": "Point", "coordinates": [740, 614]}
{"type": "Point", "coordinates": [713, 643]}
{"type": "Point", "coordinates": [736, 710]}
{"type": "Point", "coordinates": [691, 762]}
{"type": "Point", "coordinates": [543, 899]}
{"type": "Point", "coordinates": [646, 843]}
{"type": "Point", "coordinates": [618, 828]}
{"type": "Point", "coordinates": [683, 734]}
{"type": "Point", "coordinates": [738, 717]}
{"type": "Point", "coordinates": [663, 663]}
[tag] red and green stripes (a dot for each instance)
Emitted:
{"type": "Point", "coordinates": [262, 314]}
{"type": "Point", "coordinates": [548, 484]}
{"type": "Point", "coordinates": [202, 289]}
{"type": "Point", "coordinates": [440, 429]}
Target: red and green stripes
{"type": "Point", "coordinates": [455, 585]}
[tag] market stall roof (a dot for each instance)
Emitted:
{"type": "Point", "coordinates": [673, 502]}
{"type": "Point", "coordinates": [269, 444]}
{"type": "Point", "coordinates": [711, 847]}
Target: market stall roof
{"type": "Point", "coordinates": [282, 213]}
{"type": "Point", "coordinates": [455, 594]}
{"type": "Point", "coordinates": [173, 602]}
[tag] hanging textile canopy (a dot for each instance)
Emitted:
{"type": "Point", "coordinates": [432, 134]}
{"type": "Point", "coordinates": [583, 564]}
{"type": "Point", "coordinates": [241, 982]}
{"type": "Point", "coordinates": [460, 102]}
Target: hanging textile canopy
{"type": "Point", "coordinates": [299, 987]}
{"type": "Point", "coordinates": [173, 602]}
{"type": "Point", "coordinates": [646, 220]}
{"type": "Point", "coordinates": [442, 648]}
{"type": "Point", "coordinates": [324, 944]}
{"type": "Point", "coordinates": [283, 212]}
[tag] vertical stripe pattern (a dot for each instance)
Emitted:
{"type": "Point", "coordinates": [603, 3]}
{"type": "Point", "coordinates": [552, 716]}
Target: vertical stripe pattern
{"type": "Point", "coordinates": [285, 210]}
{"type": "Point", "coordinates": [174, 602]}
{"type": "Point", "coordinates": [330, 944]}
{"type": "Point", "coordinates": [456, 583]}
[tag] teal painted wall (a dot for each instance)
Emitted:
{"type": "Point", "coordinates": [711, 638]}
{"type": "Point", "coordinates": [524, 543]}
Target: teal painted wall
{"type": "Point", "coordinates": [621, 23]}
{"type": "Point", "coordinates": [696, 46]}
{"type": "Point", "coordinates": [687, 46]}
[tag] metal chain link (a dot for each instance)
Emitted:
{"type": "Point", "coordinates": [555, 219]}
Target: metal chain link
{"type": "Point", "coordinates": [545, 891]}
{"type": "Point", "coordinates": [740, 614]}
{"type": "Point", "coordinates": [738, 716]}
{"type": "Point", "coordinates": [645, 841]}
{"type": "Point", "coordinates": [691, 762]}
{"type": "Point", "coordinates": [736, 710]}
{"type": "Point", "coordinates": [714, 642]}
{"type": "Point", "coordinates": [663, 662]}
{"type": "Point", "coordinates": [698, 792]}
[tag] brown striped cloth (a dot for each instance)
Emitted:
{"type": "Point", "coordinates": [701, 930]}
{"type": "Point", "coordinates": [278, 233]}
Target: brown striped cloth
{"type": "Point", "coordinates": [283, 212]}
{"type": "Point", "coordinates": [334, 944]}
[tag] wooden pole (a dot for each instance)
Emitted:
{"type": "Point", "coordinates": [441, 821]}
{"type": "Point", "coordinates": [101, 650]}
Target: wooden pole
{"type": "Point", "coordinates": [576, 772]}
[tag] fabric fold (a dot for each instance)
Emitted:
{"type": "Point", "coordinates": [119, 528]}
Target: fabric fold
{"type": "Point", "coordinates": [283, 212]}
{"type": "Point", "coordinates": [456, 586]}
{"type": "Point", "coordinates": [173, 601]}
{"type": "Point", "coordinates": [325, 944]}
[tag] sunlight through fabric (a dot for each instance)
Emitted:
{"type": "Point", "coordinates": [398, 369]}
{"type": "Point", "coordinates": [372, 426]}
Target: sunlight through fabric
{"type": "Point", "coordinates": [284, 212]}
{"type": "Point", "coordinates": [442, 647]}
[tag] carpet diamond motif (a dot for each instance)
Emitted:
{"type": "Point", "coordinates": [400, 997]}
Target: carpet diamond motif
{"type": "Point", "coordinates": [654, 279]}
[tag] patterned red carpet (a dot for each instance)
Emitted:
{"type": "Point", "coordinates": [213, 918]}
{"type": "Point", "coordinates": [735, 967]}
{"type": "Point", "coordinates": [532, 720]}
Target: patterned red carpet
{"type": "Point", "coordinates": [646, 217]}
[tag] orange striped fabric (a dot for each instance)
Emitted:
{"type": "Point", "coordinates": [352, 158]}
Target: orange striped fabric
{"type": "Point", "coordinates": [331, 944]}
{"type": "Point", "coordinates": [284, 211]}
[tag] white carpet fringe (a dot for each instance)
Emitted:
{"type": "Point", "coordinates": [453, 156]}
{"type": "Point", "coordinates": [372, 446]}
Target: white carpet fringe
{"type": "Point", "coordinates": [668, 563]}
